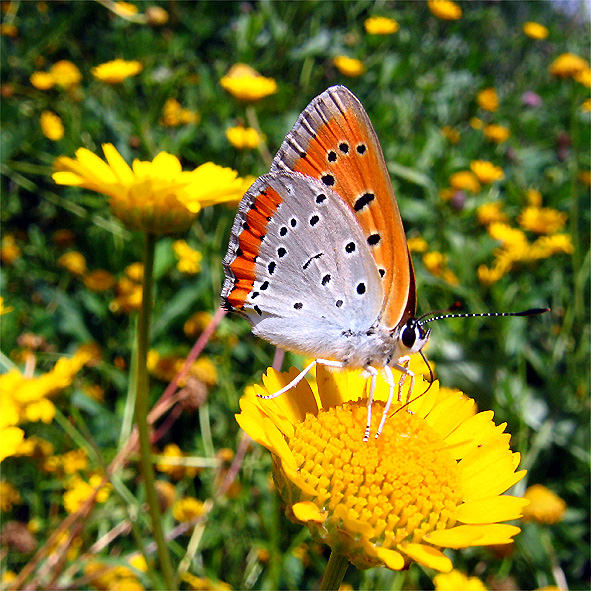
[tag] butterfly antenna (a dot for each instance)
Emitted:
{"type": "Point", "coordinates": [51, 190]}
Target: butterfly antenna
{"type": "Point", "coordinates": [438, 316]}
{"type": "Point", "coordinates": [431, 380]}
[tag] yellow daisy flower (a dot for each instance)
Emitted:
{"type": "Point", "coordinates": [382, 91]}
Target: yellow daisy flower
{"type": "Point", "coordinates": [246, 84]}
{"type": "Point", "coordinates": [116, 71]}
{"type": "Point", "coordinates": [243, 138]}
{"type": "Point", "coordinates": [568, 65]}
{"type": "Point", "coordinates": [99, 280]}
{"type": "Point", "coordinates": [436, 264]}
{"type": "Point", "coordinates": [174, 115]}
{"type": "Point", "coordinates": [445, 9]}
{"type": "Point", "coordinates": [456, 580]}
{"type": "Point", "coordinates": [65, 74]}
{"type": "Point", "coordinates": [464, 180]}
{"type": "Point", "coordinates": [432, 480]}
{"type": "Point", "coordinates": [491, 212]}
{"type": "Point", "coordinates": [187, 508]}
{"type": "Point", "coordinates": [158, 196]}
{"type": "Point", "coordinates": [545, 506]}
{"type": "Point", "coordinates": [534, 197]}
{"type": "Point", "coordinates": [584, 77]}
{"type": "Point", "coordinates": [543, 220]}
{"type": "Point", "coordinates": [51, 126]}
{"type": "Point", "coordinates": [486, 172]}
{"type": "Point", "coordinates": [380, 25]}
{"type": "Point", "coordinates": [488, 99]}
{"type": "Point", "coordinates": [349, 66]}
{"type": "Point", "coordinates": [417, 244]}
{"type": "Point", "coordinates": [496, 133]}
{"type": "Point", "coordinates": [189, 260]}
{"type": "Point", "coordinates": [535, 30]}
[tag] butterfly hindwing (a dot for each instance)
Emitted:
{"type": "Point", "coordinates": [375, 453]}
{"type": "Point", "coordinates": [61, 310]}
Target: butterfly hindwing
{"type": "Point", "coordinates": [333, 141]}
{"type": "Point", "coordinates": [299, 267]}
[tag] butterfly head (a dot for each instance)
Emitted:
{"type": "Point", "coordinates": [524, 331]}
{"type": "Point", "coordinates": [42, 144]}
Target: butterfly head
{"type": "Point", "coordinates": [413, 337]}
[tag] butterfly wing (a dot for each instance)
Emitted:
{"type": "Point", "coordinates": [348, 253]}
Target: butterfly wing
{"type": "Point", "coordinates": [333, 141]}
{"type": "Point", "coordinates": [299, 267]}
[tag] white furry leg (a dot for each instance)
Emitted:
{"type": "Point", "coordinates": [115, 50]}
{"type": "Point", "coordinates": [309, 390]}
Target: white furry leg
{"type": "Point", "coordinates": [373, 372]}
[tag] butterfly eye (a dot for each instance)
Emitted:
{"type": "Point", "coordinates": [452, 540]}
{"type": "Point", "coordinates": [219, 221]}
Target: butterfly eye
{"type": "Point", "coordinates": [408, 336]}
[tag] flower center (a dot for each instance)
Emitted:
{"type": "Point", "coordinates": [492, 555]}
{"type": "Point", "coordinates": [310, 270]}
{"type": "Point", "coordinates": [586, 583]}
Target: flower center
{"type": "Point", "coordinates": [403, 485]}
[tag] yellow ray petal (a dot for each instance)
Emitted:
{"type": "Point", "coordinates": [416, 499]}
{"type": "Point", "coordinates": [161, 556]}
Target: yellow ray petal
{"type": "Point", "coordinates": [491, 510]}
{"type": "Point", "coordinates": [391, 558]}
{"type": "Point", "coordinates": [428, 556]}
{"type": "Point", "coordinates": [308, 511]}
{"type": "Point", "coordinates": [449, 413]}
{"type": "Point", "coordinates": [463, 536]}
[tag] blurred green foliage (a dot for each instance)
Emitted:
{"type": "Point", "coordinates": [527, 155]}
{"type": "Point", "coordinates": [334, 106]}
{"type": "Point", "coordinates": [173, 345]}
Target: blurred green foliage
{"type": "Point", "coordinates": [534, 372]}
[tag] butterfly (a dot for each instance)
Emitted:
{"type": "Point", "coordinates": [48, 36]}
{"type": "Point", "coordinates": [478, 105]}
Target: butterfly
{"type": "Point", "coordinates": [318, 260]}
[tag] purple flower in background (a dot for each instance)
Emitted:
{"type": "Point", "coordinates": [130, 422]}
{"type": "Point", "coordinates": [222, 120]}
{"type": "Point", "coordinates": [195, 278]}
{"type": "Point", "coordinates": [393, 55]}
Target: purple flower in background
{"type": "Point", "coordinates": [531, 99]}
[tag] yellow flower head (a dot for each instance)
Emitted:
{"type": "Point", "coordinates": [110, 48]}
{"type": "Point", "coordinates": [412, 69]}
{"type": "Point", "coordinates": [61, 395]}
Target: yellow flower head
{"type": "Point", "coordinates": [545, 506]}
{"type": "Point", "coordinates": [453, 135]}
{"type": "Point", "coordinates": [189, 260]}
{"type": "Point", "coordinates": [436, 264]}
{"type": "Point", "coordinates": [432, 480]}
{"type": "Point", "coordinates": [584, 77]}
{"type": "Point", "coordinates": [51, 126]}
{"type": "Point", "coordinates": [157, 196]}
{"type": "Point", "coordinates": [380, 25]}
{"type": "Point", "coordinates": [486, 172]}
{"type": "Point", "coordinates": [546, 246]}
{"type": "Point", "coordinates": [417, 244]}
{"type": "Point", "coordinates": [9, 496]}
{"type": "Point", "coordinates": [116, 71]}
{"type": "Point", "coordinates": [187, 509]}
{"type": "Point", "coordinates": [491, 212]}
{"type": "Point", "coordinates": [464, 180]}
{"type": "Point", "coordinates": [349, 66]}
{"type": "Point", "coordinates": [476, 123]}
{"type": "Point", "coordinates": [196, 323]}
{"type": "Point", "coordinates": [568, 65]}
{"type": "Point", "coordinates": [243, 138]}
{"type": "Point", "coordinates": [172, 463]}
{"type": "Point", "coordinates": [42, 80]}
{"type": "Point", "coordinates": [65, 74]}
{"type": "Point", "coordinates": [79, 491]}
{"type": "Point", "coordinates": [246, 84]}
{"type": "Point", "coordinates": [10, 250]}
{"type": "Point", "coordinates": [496, 133]}
{"type": "Point", "coordinates": [99, 280]}
{"type": "Point", "coordinates": [445, 9]}
{"type": "Point", "coordinates": [174, 115]}
{"type": "Point", "coordinates": [535, 30]}
{"type": "Point", "coordinates": [534, 197]}
{"type": "Point", "coordinates": [488, 99]}
{"type": "Point", "coordinates": [74, 262]}
{"type": "Point", "coordinates": [455, 580]}
{"type": "Point", "coordinates": [543, 220]}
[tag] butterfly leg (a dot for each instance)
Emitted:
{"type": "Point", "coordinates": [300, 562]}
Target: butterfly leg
{"type": "Point", "coordinates": [390, 382]}
{"type": "Point", "coordinates": [373, 372]}
{"type": "Point", "coordinates": [403, 367]}
{"type": "Point", "coordinates": [301, 376]}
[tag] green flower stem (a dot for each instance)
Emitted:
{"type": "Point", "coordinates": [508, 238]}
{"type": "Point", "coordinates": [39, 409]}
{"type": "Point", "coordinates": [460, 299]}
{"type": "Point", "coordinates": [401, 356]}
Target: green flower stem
{"type": "Point", "coordinates": [141, 413]}
{"type": "Point", "coordinates": [253, 121]}
{"type": "Point", "coordinates": [335, 572]}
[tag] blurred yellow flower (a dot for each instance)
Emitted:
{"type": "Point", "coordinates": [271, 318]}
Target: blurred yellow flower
{"type": "Point", "coordinates": [488, 99]}
{"type": "Point", "coordinates": [584, 77]}
{"type": "Point", "coordinates": [204, 584]}
{"type": "Point", "coordinates": [445, 9]}
{"type": "Point", "coordinates": [458, 581]}
{"type": "Point", "coordinates": [545, 506]}
{"type": "Point", "coordinates": [543, 220]}
{"type": "Point", "coordinates": [63, 73]}
{"type": "Point", "coordinates": [156, 15]}
{"type": "Point", "coordinates": [491, 212]}
{"type": "Point", "coordinates": [453, 135]}
{"type": "Point", "coordinates": [436, 263]}
{"type": "Point", "coordinates": [243, 138]}
{"type": "Point", "coordinates": [205, 370]}
{"type": "Point", "coordinates": [568, 65]}
{"type": "Point", "coordinates": [74, 461]}
{"type": "Point", "coordinates": [174, 115]}
{"type": "Point", "coordinates": [546, 246]}
{"type": "Point", "coordinates": [99, 280]}
{"type": "Point", "coordinates": [51, 126]}
{"type": "Point", "coordinates": [464, 180]}
{"type": "Point", "coordinates": [158, 196]}
{"type": "Point", "coordinates": [534, 197]}
{"type": "Point", "coordinates": [586, 106]}
{"type": "Point", "coordinates": [417, 244]}
{"type": "Point", "coordinates": [496, 133]}
{"type": "Point", "coordinates": [349, 66]}
{"type": "Point", "coordinates": [486, 172]}
{"type": "Point", "coordinates": [246, 84]}
{"type": "Point", "coordinates": [8, 30]}
{"type": "Point", "coordinates": [135, 271]}
{"type": "Point", "coordinates": [187, 509]}
{"type": "Point", "coordinates": [78, 491]}
{"type": "Point", "coordinates": [9, 496]}
{"type": "Point", "coordinates": [431, 481]}
{"type": "Point", "coordinates": [116, 71]}
{"type": "Point", "coordinates": [196, 323]}
{"type": "Point", "coordinates": [189, 260]}
{"type": "Point", "coordinates": [176, 470]}
{"type": "Point", "coordinates": [74, 262]}
{"type": "Point", "coordinates": [513, 240]}
{"type": "Point", "coordinates": [35, 447]}
{"type": "Point", "coordinates": [128, 298]}
{"type": "Point", "coordinates": [476, 123]}
{"type": "Point", "coordinates": [10, 250]}
{"type": "Point", "coordinates": [535, 30]}
{"type": "Point", "coordinates": [380, 25]}
{"type": "Point", "coordinates": [42, 80]}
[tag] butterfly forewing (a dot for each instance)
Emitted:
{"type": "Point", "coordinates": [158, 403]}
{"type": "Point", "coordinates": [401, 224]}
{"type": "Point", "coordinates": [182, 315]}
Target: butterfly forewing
{"type": "Point", "coordinates": [299, 267]}
{"type": "Point", "coordinates": [334, 142]}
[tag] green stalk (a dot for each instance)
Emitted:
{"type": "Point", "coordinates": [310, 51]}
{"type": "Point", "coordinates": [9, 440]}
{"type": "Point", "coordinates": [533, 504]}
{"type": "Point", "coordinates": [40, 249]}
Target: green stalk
{"type": "Point", "coordinates": [334, 572]}
{"type": "Point", "coordinates": [141, 413]}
